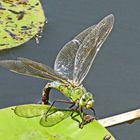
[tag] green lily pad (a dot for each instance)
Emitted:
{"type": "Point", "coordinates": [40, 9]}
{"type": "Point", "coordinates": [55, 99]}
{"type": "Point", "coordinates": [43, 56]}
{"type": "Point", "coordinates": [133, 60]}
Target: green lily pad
{"type": "Point", "coordinates": [13, 127]}
{"type": "Point", "coordinates": [19, 22]}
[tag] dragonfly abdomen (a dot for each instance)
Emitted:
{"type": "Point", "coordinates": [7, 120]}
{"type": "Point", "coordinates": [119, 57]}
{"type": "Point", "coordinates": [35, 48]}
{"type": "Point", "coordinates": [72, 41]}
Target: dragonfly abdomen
{"type": "Point", "coordinates": [62, 88]}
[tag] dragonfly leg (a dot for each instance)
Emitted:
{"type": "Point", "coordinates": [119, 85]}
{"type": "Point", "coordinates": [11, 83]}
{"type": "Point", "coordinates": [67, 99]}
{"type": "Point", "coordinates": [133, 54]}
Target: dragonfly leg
{"type": "Point", "coordinates": [72, 105]}
{"type": "Point", "coordinates": [64, 101]}
{"type": "Point", "coordinates": [45, 93]}
{"type": "Point", "coordinates": [94, 112]}
{"type": "Point", "coordinates": [74, 117]}
{"type": "Point", "coordinates": [85, 118]}
{"type": "Point", "coordinates": [48, 114]}
{"type": "Point", "coordinates": [79, 112]}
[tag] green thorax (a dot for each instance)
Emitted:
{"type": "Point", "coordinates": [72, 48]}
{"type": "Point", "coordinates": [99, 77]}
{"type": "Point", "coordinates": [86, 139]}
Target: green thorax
{"type": "Point", "coordinates": [74, 93]}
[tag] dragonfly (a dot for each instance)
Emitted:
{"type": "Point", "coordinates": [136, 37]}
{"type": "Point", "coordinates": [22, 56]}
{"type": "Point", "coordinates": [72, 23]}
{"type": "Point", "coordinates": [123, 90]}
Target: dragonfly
{"type": "Point", "coordinates": [71, 66]}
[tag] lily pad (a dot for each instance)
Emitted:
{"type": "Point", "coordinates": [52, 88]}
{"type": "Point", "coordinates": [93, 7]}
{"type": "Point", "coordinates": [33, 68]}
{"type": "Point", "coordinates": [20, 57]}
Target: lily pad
{"type": "Point", "coordinates": [14, 127]}
{"type": "Point", "coordinates": [19, 22]}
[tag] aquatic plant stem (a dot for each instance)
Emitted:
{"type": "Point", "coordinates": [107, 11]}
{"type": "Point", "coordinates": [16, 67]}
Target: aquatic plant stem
{"type": "Point", "coordinates": [128, 117]}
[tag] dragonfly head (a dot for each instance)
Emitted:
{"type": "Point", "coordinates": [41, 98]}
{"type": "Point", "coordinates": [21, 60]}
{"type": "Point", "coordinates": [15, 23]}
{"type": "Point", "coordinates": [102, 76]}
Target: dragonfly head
{"type": "Point", "coordinates": [86, 100]}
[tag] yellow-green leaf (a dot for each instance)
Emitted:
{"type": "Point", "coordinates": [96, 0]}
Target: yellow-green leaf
{"type": "Point", "coordinates": [13, 127]}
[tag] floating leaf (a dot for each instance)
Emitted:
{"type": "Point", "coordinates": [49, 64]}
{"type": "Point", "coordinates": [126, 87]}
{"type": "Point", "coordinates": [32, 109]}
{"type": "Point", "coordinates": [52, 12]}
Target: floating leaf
{"type": "Point", "coordinates": [13, 127]}
{"type": "Point", "coordinates": [19, 21]}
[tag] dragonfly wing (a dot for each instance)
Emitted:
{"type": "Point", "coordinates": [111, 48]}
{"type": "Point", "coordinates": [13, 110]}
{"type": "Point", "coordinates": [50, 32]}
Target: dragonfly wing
{"type": "Point", "coordinates": [42, 68]}
{"type": "Point", "coordinates": [19, 66]}
{"type": "Point", "coordinates": [54, 118]}
{"type": "Point", "coordinates": [32, 110]}
{"type": "Point", "coordinates": [90, 47]}
{"type": "Point", "coordinates": [64, 63]}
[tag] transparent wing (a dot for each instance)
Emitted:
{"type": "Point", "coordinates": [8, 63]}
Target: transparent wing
{"type": "Point", "coordinates": [31, 68]}
{"type": "Point", "coordinates": [64, 63]}
{"type": "Point", "coordinates": [42, 68]}
{"type": "Point", "coordinates": [90, 47]}
{"type": "Point", "coordinates": [32, 110]}
{"type": "Point", "coordinates": [54, 118]}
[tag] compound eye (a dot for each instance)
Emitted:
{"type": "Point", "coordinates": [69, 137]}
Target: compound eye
{"type": "Point", "coordinates": [90, 103]}
{"type": "Point", "coordinates": [83, 99]}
